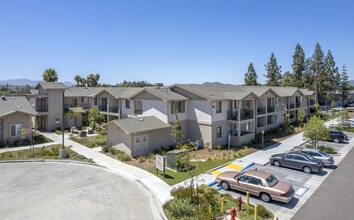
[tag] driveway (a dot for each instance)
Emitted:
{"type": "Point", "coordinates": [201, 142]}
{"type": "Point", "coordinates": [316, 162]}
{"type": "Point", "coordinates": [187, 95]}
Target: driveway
{"type": "Point", "coordinates": [57, 190]}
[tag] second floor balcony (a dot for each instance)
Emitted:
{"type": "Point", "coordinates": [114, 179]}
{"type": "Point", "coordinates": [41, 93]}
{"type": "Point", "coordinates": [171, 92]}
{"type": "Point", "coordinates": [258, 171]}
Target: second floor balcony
{"type": "Point", "coordinates": [297, 105]}
{"type": "Point", "coordinates": [292, 106]}
{"type": "Point", "coordinates": [232, 115]}
{"type": "Point", "coordinates": [138, 111]}
{"type": "Point", "coordinates": [261, 110]}
{"type": "Point", "coordinates": [113, 109]}
{"type": "Point", "coordinates": [270, 109]}
{"type": "Point", "coordinates": [82, 105]}
{"type": "Point", "coordinates": [42, 108]}
{"type": "Point", "coordinates": [102, 108]}
{"type": "Point", "coordinates": [246, 114]}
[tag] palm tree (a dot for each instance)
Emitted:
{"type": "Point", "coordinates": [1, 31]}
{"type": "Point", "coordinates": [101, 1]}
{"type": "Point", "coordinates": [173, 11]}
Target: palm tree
{"type": "Point", "coordinates": [50, 75]}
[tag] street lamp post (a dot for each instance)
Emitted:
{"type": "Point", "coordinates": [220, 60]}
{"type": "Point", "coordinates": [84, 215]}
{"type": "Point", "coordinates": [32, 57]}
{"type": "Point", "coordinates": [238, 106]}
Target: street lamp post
{"type": "Point", "coordinates": [62, 150]}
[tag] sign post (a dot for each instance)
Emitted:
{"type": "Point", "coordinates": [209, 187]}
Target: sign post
{"type": "Point", "coordinates": [160, 164]}
{"type": "Point", "coordinates": [228, 147]}
{"type": "Point", "coordinates": [262, 136]}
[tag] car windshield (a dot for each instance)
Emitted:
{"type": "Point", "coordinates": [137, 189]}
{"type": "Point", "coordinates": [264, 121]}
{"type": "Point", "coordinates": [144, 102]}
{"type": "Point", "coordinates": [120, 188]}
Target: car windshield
{"type": "Point", "coordinates": [325, 154]}
{"type": "Point", "coordinates": [272, 181]}
{"type": "Point", "coordinates": [239, 174]}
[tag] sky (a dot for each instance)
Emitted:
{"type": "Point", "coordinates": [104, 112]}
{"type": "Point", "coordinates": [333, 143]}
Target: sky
{"type": "Point", "coordinates": [168, 41]}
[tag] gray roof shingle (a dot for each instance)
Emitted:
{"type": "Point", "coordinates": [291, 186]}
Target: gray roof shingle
{"type": "Point", "coordinates": [15, 104]}
{"type": "Point", "coordinates": [51, 85]}
{"type": "Point", "coordinates": [140, 124]}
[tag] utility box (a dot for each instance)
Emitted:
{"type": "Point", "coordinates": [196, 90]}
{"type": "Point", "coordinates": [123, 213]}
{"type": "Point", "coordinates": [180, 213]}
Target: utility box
{"type": "Point", "coordinates": [172, 157]}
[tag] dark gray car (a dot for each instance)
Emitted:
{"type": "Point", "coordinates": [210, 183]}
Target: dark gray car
{"type": "Point", "coordinates": [297, 160]}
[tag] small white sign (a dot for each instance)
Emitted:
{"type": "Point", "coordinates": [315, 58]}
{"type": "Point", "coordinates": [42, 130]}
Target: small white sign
{"type": "Point", "coordinates": [160, 162]}
{"type": "Point", "coordinates": [57, 121]}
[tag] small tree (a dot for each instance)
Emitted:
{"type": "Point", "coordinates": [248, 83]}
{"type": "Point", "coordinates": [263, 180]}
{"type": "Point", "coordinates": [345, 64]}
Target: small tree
{"type": "Point", "coordinates": [333, 111]}
{"type": "Point", "coordinates": [29, 134]}
{"type": "Point", "coordinates": [176, 132]}
{"type": "Point", "coordinates": [73, 115]}
{"type": "Point", "coordinates": [300, 116]}
{"type": "Point", "coordinates": [342, 116]}
{"type": "Point", "coordinates": [286, 124]}
{"type": "Point", "coordinates": [315, 130]}
{"type": "Point", "coordinates": [95, 117]}
{"type": "Point", "coordinates": [317, 109]}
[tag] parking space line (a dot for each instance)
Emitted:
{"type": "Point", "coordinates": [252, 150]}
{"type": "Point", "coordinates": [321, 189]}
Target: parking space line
{"type": "Point", "coordinates": [234, 166]}
{"type": "Point", "coordinates": [215, 172]}
{"type": "Point", "coordinates": [306, 189]}
{"type": "Point", "coordinates": [289, 170]}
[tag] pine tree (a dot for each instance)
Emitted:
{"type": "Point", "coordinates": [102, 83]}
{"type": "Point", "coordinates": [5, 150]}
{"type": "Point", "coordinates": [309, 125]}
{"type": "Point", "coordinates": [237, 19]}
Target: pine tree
{"type": "Point", "coordinates": [287, 79]}
{"type": "Point", "coordinates": [273, 72]}
{"type": "Point", "coordinates": [309, 76]}
{"type": "Point", "coordinates": [298, 66]}
{"type": "Point", "coordinates": [327, 80]}
{"type": "Point", "coordinates": [316, 68]}
{"type": "Point", "coordinates": [344, 85]}
{"type": "Point", "coordinates": [251, 76]}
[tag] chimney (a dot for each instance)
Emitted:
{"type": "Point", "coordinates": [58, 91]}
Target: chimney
{"type": "Point", "coordinates": [3, 97]}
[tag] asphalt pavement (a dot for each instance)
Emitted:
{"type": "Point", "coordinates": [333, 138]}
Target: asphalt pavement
{"type": "Point", "coordinates": [58, 190]}
{"type": "Point", "coordinates": [334, 198]}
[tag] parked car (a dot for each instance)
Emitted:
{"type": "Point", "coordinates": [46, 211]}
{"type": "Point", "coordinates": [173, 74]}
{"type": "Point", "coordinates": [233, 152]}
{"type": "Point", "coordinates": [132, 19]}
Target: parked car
{"type": "Point", "coordinates": [344, 124]}
{"type": "Point", "coordinates": [326, 159]}
{"type": "Point", "coordinates": [324, 108]}
{"type": "Point", "coordinates": [257, 183]}
{"type": "Point", "coordinates": [338, 108]}
{"type": "Point", "coordinates": [297, 160]}
{"type": "Point", "coordinates": [337, 136]}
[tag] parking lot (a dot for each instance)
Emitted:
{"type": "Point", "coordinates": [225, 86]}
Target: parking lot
{"type": "Point", "coordinates": [295, 177]}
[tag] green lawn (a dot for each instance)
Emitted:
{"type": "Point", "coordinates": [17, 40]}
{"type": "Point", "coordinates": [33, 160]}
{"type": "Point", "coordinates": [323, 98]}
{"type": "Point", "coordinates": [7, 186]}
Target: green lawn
{"type": "Point", "coordinates": [172, 178]}
{"type": "Point", "coordinates": [49, 152]}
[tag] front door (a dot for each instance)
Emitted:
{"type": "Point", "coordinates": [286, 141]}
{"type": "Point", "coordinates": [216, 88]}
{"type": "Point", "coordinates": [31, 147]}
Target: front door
{"type": "Point", "coordinates": [141, 144]}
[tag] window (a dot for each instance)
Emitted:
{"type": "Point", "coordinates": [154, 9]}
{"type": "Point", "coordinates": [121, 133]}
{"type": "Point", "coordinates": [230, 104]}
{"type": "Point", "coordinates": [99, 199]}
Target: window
{"type": "Point", "coordinates": [82, 99]}
{"type": "Point", "coordinates": [137, 140]}
{"type": "Point", "coordinates": [127, 103]}
{"type": "Point", "coordinates": [247, 104]}
{"type": "Point", "coordinates": [95, 101]}
{"type": "Point", "coordinates": [218, 132]}
{"type": "Point", "coordinates": [272, 181]}
{"type": "Point", "coordinates": [289, 157]}
{"type": "Point", "coordinates": [256, 181]}
{"type": "Point", "coordinates": [144, 138]}
{"type": "Point", "coordinates": [299, 158]}
{"type": "Point", "coordinates": [244, 178]}
{"type": "Point", "coordinates": [218, 107]}
{"type": "Point", "coordinates": [15, 130]}
{"type": "Point", "coordinates": [180, 107]}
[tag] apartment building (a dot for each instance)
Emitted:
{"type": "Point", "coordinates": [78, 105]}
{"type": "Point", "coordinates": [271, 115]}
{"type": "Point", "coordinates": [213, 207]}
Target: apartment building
{"type": "Point", "coordinates": [207, 112]}
{"type": "Point", "coordinates": [15, 114]}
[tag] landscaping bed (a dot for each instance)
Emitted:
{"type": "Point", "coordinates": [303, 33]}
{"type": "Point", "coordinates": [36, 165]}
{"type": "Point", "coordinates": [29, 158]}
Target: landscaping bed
{"type": "Point", "coordinates": [38, 139]}
{"type": "Point", "coordinates": [45, 152]}
{"type": "Point", "coordinates": [93, 141]}
{"type": "Point", "coordinates": [196, 206]}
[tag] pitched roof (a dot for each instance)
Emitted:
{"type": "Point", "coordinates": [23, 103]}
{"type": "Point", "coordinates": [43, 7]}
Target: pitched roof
{"type": "Point", "coordinates": [123, 92]}
{"type": "Point", "coordinates": [140, 124]}
{"type": "Point", "coordinates": [163, 93]}
{"type": "Point", "coordinates": [235, 92]}
{"type": "Point", "coordinates": [34, 91]}
{"type": "Point", "coordinates": [307, 92]}
{"type": "Point", "coordinates": [51, 85]}
{"type": "Point", "coordinates": [82, 91]}
{"type": "Point", "coordinates": [11, 105]}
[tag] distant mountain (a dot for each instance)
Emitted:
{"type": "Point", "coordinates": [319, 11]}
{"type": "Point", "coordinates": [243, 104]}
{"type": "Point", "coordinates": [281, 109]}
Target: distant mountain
{"type": "Point", "coordinates": [23, 82]}
{"type": "Point", "coordinates": [351, 82]}
{"type": "Point", "coordinates": [215, 83]}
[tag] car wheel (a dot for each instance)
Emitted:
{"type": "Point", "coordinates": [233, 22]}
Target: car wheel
{"type": "Point", "coordinates": [276, 163]}
{"type": "Point", "coordinates": [336, 140]}
{"type": "Point", "coordinates": [225, 185]}
{"type": "Point", "coordinates": [265, 197]}
{"type": "Point", "coordinates": [307, 170]}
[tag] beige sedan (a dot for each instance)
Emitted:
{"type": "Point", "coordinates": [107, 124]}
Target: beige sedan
{"type": "Point", "coordinates": [257, 183]}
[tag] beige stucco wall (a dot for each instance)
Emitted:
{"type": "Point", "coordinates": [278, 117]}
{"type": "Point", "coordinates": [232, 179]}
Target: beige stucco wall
{"type": "Point", "coordinates": [117, 136]}
{"type": "Point", "coordinates": [55, 108]}
{"type": "Point", "coordinates": [198, 130]}
{"type": "Point", "coordinates": [224, 133]}
{"type": "Point", "coordinates": [15, 118]}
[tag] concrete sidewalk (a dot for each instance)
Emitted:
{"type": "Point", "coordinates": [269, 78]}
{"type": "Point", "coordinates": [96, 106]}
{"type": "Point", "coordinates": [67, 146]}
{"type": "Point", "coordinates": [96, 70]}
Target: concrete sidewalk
{"type": "Point", "coordinates": [3, 150]}
{"type": "Point", "coordinates": [152, 182]}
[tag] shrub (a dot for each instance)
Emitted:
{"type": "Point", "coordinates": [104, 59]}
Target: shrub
{"type": "Point", "coordinates": [141, 159]}
{"type": "Point", "coordinates": [181, 207]}
{"type": "Point", "coordinates": [123, 157]}
{"type": "Point", "coordinates": [101, 141]}
{"type": "Point", "coordinates": [106, 148]}
{"type": "Point", "coordinates": [218, 147]}
{"type": "Point", "coordinates": [90, 144]}
{"type": "Point", "coordinates": [17, 143]}
{"type": "Point", "coordinates": [103, 132]}
{"type": "Point", "coordinates": [350, 129]}
{"type": "Point", "coordinates": [328, 150]}
{"type": "Point", "coordinates": [263, 212]}
{"type": "Point", "coordinates": [181, 192]}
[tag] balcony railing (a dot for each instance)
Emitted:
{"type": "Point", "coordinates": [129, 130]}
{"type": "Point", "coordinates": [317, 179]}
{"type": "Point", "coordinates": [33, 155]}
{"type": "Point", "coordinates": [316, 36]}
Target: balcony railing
{"type": "Point", "coordinates": [113, 109]}
{"type": "Point", "coordinates": [270, 109]}
{"type": "Point", "coordinates": [312, 102]}
{"type": "Point", "coordinates": [298, 105]}
{"type": "Point", "coordinates": [260, 125]}
{"type": "Point", "coordinates": [261, 110]}
{"type": "Point", "coordinates": [42, 108]}
{"type": "Point", "coordinates": [138, 111]}
{"type": "Point", "coordinates": [232, 115]}
{"type": "Point", "coordinates": [243, 133]}
{"type": "Point", "coordinates": [246, 114]}
{"type": "Point", "coordinates": [292, 106]}
{"type": "Point", "coordinates": [102, 108]}
{"type": "Point", "coordinates": [84, 105]}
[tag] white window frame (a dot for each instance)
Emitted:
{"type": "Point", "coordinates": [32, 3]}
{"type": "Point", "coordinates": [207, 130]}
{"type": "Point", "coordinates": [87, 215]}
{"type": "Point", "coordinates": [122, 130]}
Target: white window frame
{"type": "Point", "coordinates": [16, 130]}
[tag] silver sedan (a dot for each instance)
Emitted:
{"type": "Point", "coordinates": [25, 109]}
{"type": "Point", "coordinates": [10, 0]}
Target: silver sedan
{"type": "Point", "coordinates": [326, 159]}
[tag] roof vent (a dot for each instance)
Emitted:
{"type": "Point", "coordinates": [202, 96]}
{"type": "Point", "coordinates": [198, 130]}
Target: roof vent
{"type": "Point", "coordinates": [228, 93]}
{"type": "Point", "coordinates": [3, 97]}
{"type": "Point", "coordinates": [141, 119]}
{"type": "Point", "coordinates": [18, 106]}
{"type": "Point", "coordinates": [13, 97]}
{"type": "Point", "coordinates": [211, 94]}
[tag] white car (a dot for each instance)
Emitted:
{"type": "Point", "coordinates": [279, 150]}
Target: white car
{"type": "Point", "coordinates": [338, 108]}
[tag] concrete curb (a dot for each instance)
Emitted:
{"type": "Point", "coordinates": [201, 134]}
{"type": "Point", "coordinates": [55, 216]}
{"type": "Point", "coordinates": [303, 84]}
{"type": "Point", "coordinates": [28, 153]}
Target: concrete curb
{"type": "Point", "coordinates": [53, 161]}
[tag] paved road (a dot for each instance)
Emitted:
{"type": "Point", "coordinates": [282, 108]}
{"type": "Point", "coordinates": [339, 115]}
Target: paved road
{"type": "Point", "coordinates": [334, 198]}
{"type": "Point", "coordinates": [54, 190]}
